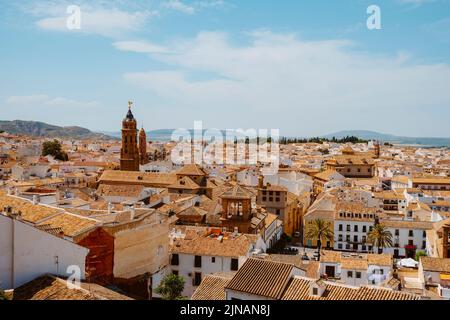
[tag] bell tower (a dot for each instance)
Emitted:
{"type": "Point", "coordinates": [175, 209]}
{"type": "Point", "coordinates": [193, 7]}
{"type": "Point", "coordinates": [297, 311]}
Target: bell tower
{"type": "Point", "coordinates": [129, 154]}
{"type": "Point", "coordinates": [143, 159]}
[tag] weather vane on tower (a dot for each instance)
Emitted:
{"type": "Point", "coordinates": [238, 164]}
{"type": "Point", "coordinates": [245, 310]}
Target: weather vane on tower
{"type": "Point", "coordinates": [130, 104]}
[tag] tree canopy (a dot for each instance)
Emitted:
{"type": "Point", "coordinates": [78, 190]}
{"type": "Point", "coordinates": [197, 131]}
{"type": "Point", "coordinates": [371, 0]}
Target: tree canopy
{"type": "Point", "coordinates": [171, 287]}
{"type": "Point", "coordinates": [54, 149]}
{"type": "Point", "coordinates": [347, 139]}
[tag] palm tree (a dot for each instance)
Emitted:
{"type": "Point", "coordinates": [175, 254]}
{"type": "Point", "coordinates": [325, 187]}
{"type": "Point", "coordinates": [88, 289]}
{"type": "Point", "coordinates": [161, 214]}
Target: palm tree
{"type": "Point", "coordinates": [321, 231]}
{"type": "Point", "coordinates": [380, 237]}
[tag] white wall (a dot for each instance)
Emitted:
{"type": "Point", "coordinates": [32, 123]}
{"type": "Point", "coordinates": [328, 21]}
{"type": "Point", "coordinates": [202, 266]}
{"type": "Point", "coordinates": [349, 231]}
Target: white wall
{"type": "Point", "coordinates": [34, 253]}
{"type": "Point", "coordinates": [187, 270]}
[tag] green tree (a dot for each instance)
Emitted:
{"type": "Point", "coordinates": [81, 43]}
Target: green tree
{"type": "Point", "coordinates": [320, 231]}
{"type": "Point", "coordinates": [2, 295]}
{"type": "Point", "coordinates": [171, 287]}
{"type": "Point", "coordinates": [54, 149]}
{"type": "Point", "coordinates": [420, 254]}
{"type": "Point", "coordinates": [379, 237]}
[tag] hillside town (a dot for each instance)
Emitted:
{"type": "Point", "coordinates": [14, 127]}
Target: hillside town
{"type": "Point", "coordinates": [118, 219]}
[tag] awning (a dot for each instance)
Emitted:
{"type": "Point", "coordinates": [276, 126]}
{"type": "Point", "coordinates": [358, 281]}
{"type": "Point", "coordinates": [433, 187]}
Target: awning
{"type": "Point", "coordinates": [445, 276]}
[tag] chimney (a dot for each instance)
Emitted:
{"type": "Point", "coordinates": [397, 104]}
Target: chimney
{"type": "Point", "coordinates": [110, 207]}
{"type": "Point", "coordinates": [133, 212]}
{"type": "Point", "coordinates": [317, 288]}
{"type": "Point", "coordinates": [35, 199]}
{"type": "Point", "coordinates": [261, 181]}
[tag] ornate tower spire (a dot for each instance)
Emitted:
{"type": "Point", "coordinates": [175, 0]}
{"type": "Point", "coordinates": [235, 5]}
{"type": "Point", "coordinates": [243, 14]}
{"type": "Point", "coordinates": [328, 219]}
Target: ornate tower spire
{"type": "Point", "coordinates": [143, 159]}
{"type": "Point", "coordinates": [129, 154]}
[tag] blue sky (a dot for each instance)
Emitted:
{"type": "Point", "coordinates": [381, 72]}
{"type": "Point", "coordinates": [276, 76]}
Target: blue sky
{"type": "Point", "coordinates": [306, 67]}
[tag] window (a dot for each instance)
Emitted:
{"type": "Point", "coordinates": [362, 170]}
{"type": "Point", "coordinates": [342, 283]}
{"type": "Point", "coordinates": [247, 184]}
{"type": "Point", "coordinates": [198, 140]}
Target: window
{"type": "Point", "coordinates": [315, 291]}
{"type": "Point", "coordinates": [358, 275]}
{"type": "Point", "coordinates": [347, 238]}
{"type": "Point", "coordinates": [363, 248]}
{"type": "Point", "coordinates": [349, 274]}
{"type": "Point", "coordinates": [355, 238]}
{"type": "Point", "coordinates": [213, 259]}
{"type": "Point", "coordinates": [348, 227]}
{"type": "Point", "coordinates": [234, 264]}
{"type": "Point", "coordinates": [340, 246]}
{"type": "Point", "coordinates": [197, 278]}
{"type": "Point", "coordinates": [175, 272]}
{"type": "Point", "coordinates": [264, 199]}
{"type": "Point", "coordinates": [410, 242]}
{"type": "Point", "coordinates": [340, 237]}
{"type": "Point", "coordinates": [424, 234]}
{"type": "Point", "coordinates": [340, 227]}
{"type": "Point", "coordinates": [271, 199]}
{"type": "Point", "coordinates": [364, 228]}
{"type": "Point", "coordinates": [359, 170]}
{"type": "Point", "coordinates": [411, 233]}
{"type": "Point", "coordinates": [278, 211]}
{"type": "Point", "coordinates": [424, 244]}
{"type": "Point", "coordinates": [364, 239]}
{"type": "Point", "coordinates": [175, 260]}
{"type": "Point", "coordinates": [397, 232]}
{"type": "Point", "coordinates": [277, 199]}
{"type": "Point", "coordinates": [198, 262]}
{"type": "Point", "coordinates": [355, 229]}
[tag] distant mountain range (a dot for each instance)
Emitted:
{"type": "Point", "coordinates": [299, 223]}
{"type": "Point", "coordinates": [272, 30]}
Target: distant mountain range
{"type": "Point", "coordinates": [41, 129]}
{"type": "Point", "coordinates": [165, 135]}
{"type": "Point", "coordinates": [383, 137]}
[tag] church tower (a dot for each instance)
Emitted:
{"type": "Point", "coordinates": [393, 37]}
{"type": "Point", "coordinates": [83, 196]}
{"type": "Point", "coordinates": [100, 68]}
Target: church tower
{"type": "Point", "coordinates": [129, 154]}
{"type": "Point", "coordinates": [143, 159]}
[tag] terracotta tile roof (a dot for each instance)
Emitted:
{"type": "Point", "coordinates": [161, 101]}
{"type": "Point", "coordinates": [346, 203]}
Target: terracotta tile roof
{"type": "Point", "coordinates": [29, 212]}
{"type": "Point", "coordinates": [48, 287]}
{"type": "Point", "coordinates": [212, 287]}
{"type": "Point", "coordinates": [299, 289]}
{"type": "Point", "coordinates": [71, 224]}
{"type": "Point", "coordinates": [435, 264]}
{"type": "Point", "coordinates": [191, 170]}
{"type": "Point", "coordinates": [133, 177]}
{"type": "Point", "coordinates": [262, 277]}
{"type": "Point", "coordinates": [422, 225]}
{"type": "Point", "coordinates": [358, 261]}
{"type": "Point", "coordinates": [431, 180]}
{"type": "Point", "coordinates": [236, 192]}
{"type": "Point", "coordinates": [229, 246]}
{"type": "Point", "coordinates": [184, 183]}
{"type": "Point", "coordinates": [119, 190]}
{"type": "Point", "coordinates": [325, 175]}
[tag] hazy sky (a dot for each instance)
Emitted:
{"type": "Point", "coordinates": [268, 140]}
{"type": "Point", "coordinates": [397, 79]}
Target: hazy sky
{"type": "Point", "coordinates": [305, 67]}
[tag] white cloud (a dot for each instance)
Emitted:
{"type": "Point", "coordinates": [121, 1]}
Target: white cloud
{"type": "Point", "coordinates": [415, 3]}
{"type": "Point", "coordinates": [140, 47]}
{"type": "Point", "coordinates": [282, 81]}
{"type": "Point", "coordinates": [110, 23]}
{"type": "Point", "coordinates": [178, 5]}
{"type": "Point", "coordinates": [40, 100]}
{"type": "Point", "coordinates": [108, 19]}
